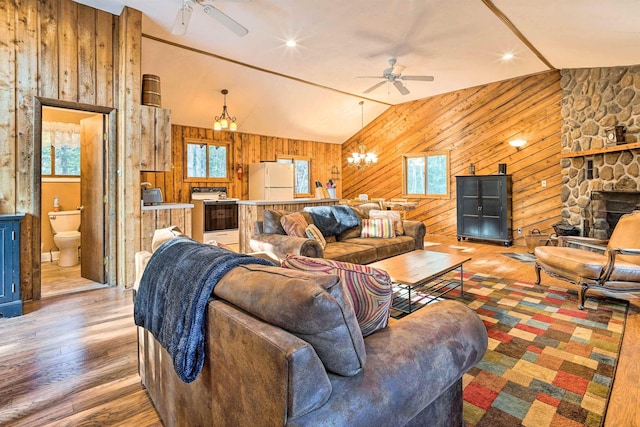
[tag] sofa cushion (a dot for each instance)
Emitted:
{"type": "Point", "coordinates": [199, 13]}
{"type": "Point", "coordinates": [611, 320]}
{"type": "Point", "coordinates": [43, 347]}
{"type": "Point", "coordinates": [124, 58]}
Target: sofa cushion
{"type": "Point", "coordinates": [315, 234]}
{"type": "Point", "coordinates": [377, 228]}
{"type": "Point", "coordinates": [369, 288]}
{"type": "Point", "coordinates": [386, 248]}
{"type": "Point", "coordinates": [314, 307]}
{"type": "Point", "coordinates": [271, 221]}
{"type": "Point", "coordinates": [348, 252]}
{"type": "Point", "coordinates": [294, 224]}
{"type": "Point", "coordinates": [394, 216]}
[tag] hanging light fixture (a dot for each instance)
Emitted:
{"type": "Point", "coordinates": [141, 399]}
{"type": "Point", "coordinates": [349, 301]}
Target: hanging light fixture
{"type": "Point", "coordinates": [224, 121]}
{"type": "Point", "coordinates": [362, 159]}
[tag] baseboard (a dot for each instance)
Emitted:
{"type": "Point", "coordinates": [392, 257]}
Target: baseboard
{"type": "Point", "coordinates": [49, 256]}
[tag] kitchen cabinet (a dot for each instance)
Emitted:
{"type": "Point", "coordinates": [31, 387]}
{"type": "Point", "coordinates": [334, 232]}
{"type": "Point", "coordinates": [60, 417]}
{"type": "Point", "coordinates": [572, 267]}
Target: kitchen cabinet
{"type": "Point", "coordinates": [484, 207]}
{"type": "Point", "coordinates": [155, 139]}
{"type": "Point", "coordinates": [10, 302]}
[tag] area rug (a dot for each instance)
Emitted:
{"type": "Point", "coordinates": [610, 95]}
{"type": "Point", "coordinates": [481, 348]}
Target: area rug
{"type": "Point", "coordinates": [548, 363]}
{"type": "Point", "coordinates": [522, 257]}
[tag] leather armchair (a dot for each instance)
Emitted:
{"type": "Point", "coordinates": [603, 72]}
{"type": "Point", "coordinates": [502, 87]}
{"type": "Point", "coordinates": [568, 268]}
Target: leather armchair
{"type": "Point", "coordinates": [614, 273]}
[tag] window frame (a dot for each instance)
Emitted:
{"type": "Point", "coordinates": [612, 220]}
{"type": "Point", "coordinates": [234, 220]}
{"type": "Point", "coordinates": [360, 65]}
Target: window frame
{"type": "Point", "coordinates": [293, 160]}
{"type": "Point", "coordinates": [425, 155]}
{"type": "Point", "coordinates": [208, 143]}
{"type": "Point", "coordinates": [52, 159]}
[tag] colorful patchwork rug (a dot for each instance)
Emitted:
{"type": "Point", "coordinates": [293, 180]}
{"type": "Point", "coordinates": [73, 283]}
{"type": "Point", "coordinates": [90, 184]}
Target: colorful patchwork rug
{"type": "Point", "coordinates": [522, 257]}
{"type": "Point", "coordinates": [548, 363]}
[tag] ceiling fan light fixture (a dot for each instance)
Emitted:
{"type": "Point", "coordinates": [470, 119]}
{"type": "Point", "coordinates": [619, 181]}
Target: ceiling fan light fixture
{"type": "Point", "coordinates": [181, 22]}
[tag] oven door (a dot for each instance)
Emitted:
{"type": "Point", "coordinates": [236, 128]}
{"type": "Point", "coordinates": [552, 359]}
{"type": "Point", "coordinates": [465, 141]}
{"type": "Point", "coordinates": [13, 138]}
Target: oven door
{"type": "Point", "coordinates": [220, 215]}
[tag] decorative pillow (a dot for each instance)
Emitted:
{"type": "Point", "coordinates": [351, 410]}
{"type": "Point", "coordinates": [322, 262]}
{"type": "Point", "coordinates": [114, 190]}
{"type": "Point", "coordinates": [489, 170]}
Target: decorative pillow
{"type": "Point", "coordinates": [271, 221]}
{"type": "Point", "coordinates": [315, 234]}
{"type": "Point", "coordinates": [294, 224]}
{"type": "Point", "coordinates": [377, 228]}
{"type": "Point", "coordinates": [394, 216]}
{"type": "Point", "coordinates": [161, 235]}
{"type": "Point", "coordinates": [369, 288]}
{"type": "Point", "coordinates": [314, 307]}
{"type": "Point", "coordinates": [333, 220]}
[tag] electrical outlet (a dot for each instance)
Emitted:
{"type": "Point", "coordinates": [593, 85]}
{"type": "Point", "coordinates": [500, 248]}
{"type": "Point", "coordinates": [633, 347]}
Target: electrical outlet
{"type": "Point", "coordinates": [519, 230]}
{"type": "Point", "coordinates": [544, 183]}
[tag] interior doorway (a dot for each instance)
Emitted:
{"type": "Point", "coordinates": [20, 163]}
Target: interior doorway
{"type": "Point", "coordinates": [75, 148]}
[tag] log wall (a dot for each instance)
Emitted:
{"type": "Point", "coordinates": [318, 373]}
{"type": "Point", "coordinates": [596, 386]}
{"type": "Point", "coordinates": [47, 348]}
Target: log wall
{"type": "Point", "coordinates": [246, 149]}
{"type": "Point", "coordinates": [475, 125]}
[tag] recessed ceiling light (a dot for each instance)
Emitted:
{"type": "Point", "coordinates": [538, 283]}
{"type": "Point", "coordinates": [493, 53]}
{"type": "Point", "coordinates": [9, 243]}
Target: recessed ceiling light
{"type": "Point", "coordinates": [291, 43]}
{"type": "Point", "coordinates": [507, 56]}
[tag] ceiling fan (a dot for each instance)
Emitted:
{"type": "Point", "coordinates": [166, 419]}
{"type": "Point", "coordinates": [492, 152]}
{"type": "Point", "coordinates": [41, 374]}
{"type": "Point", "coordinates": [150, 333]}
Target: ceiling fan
{"type": "Point", "coordinates": [184, 15]}
{"type": "Point", "coordinates": [393, 74]}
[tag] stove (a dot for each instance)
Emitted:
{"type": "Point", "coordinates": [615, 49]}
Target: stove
{"type": "Point", "coordinates": [214, 215]}
{"type": "Point", "coordinates": [211, 195]}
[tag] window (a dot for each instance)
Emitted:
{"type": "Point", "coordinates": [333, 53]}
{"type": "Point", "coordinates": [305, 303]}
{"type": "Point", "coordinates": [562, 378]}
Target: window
{"type": "Point", "coordinates": [60, 149]}
{"type": "Point", "coordinates": [426, 174]}
{"type": "Point", "coordinates": [207, 161]}
{"type": "Point", "coordinates": [302, 174]}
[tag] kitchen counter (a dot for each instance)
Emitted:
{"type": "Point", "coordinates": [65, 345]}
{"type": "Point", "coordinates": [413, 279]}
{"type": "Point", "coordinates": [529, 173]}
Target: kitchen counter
{"type": "Point", "coordinates": [167, 206]}
{"type": "Point", "coordinates": [308, 201]}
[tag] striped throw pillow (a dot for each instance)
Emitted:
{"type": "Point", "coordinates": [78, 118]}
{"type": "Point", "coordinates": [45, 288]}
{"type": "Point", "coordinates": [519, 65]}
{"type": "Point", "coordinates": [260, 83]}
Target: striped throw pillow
{"type": "Point", "coordinates": [314, 233]}
{"type": "Point", "coordinates": [378, 227]}
{"type": "Point", "coordinates": [392, 215]}
{"type": "Point", "coordinates": [369, 288]}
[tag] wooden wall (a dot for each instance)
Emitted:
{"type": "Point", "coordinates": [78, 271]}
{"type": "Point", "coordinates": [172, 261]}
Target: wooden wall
{"type": "Point", "coordinates": [61, 50]}
{"type": "Point", "coordinates": [246, 149]}
{"type": "Point", "coordinates": [475, 125]}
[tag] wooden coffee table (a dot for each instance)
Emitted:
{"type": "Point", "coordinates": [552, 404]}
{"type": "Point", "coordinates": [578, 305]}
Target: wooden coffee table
{"type": "Point", "coordinates": [422, 271]}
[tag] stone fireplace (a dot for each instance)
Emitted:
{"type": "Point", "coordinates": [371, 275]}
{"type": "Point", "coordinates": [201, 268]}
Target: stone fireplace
{"type": "Point", "coordinates": [600, 179]}
{"type": "Point", "coordinates": [606, 209]}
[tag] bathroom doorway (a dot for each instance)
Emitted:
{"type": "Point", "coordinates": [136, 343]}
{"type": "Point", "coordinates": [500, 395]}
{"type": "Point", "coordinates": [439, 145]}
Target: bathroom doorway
{"type": "Point", "coordinates": [73, 184]}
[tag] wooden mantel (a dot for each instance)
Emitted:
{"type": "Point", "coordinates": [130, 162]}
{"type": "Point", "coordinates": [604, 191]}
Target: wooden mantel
{"type": "Point", "coordinates": [623, 147]}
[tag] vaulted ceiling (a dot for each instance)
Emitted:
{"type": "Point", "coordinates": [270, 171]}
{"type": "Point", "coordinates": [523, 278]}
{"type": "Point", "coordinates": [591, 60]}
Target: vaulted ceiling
{"type": "Point", "coordinates": [312, 91]}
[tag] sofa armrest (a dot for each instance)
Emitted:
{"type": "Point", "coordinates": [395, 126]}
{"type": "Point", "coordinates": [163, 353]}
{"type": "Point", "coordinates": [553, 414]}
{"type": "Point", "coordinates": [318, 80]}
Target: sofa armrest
{"type": "Point", "coordinates": [417, 230]}
{"type": "Point", "coordinates": [409, 365]}
{"type": "Point", "coordinates": [280, 246]}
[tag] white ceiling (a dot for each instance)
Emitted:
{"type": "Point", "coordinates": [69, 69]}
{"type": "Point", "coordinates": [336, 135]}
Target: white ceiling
{"type": "Point", "coordinates": [312, 91]}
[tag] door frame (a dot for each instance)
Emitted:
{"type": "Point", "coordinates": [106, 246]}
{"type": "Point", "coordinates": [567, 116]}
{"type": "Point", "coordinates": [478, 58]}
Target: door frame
{"type": "Point", "coordinates": [109, 175]}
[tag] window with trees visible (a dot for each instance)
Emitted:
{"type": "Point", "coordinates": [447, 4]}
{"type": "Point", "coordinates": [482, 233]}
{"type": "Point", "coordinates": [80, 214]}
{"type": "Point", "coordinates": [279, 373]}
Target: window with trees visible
{"type": "Point", "coordinates": [60, 149]}
{"type": "Point", "coordinates": [301, 174]}
{"type": "Point", "coordinates": [207, 160]}
{"type": "Point", "coordinates": [426, 174]}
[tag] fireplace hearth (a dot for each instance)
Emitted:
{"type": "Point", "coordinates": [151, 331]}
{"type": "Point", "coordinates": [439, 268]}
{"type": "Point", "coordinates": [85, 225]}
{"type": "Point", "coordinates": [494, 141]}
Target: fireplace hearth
{"type": "Point", "coordinates": [606, 209]}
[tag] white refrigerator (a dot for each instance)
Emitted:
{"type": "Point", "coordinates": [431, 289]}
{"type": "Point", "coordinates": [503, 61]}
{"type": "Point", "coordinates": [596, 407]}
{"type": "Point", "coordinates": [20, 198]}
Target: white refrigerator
{"type": "Point", "coordinates": [271, 181]}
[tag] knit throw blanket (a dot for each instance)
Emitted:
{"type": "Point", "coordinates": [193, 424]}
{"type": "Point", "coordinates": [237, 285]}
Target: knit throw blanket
{"type": "Point", "coordinates": [172, 297]}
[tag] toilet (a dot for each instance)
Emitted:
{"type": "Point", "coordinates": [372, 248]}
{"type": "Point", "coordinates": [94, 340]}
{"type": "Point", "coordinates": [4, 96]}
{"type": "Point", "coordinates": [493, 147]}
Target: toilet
{"type": "Point", "coordinates": [65, 225]}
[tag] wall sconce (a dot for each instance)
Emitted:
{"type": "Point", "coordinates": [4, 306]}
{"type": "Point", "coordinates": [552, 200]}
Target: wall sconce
{"type": "Point", "coordinates": [517, 143]}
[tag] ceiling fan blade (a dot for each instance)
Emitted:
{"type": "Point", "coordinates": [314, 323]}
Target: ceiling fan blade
{"type": "Point", "coordinates": [225, 20]}
{"type": "Point", "coordinates": [375, 86]}
{"type": "Point", "coordinates": [421, 78]}
{"type": "Point", "coordinates": [181, 23]}
{"type": "Point", "coordinates": [401, 88]}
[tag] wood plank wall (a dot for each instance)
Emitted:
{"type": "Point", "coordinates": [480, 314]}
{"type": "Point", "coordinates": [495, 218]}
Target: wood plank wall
{"type": "Point", "coordinates": [52, 49]}
{"type": "Point", "coordinates": [61, 50]}
{"type": "Point", "coordinates": [247, 149]}
{"type": "Point", "coordinates": [475, 125]}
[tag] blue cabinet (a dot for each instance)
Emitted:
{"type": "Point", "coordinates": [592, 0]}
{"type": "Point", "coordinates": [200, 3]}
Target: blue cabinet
{"type": "Point", "coordinates": [10, 302]}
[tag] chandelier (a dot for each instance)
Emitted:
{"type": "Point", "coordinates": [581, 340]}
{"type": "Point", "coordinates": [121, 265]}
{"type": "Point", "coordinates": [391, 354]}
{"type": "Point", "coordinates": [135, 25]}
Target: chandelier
{"type": "Point", "coordinates": [362, 159]}
{"type": "Point", "coordinates": [224, 120]}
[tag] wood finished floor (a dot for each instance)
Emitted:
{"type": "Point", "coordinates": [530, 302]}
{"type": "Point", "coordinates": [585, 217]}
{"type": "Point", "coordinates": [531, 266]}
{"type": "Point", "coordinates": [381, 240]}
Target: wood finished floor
{"type": "Point", "coordinates": [71, 360]}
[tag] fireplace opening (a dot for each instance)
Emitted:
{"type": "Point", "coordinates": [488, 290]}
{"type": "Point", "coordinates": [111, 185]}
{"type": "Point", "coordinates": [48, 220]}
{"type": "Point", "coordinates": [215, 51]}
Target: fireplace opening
{"type": "Point", "coordinates": [606, 209]}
